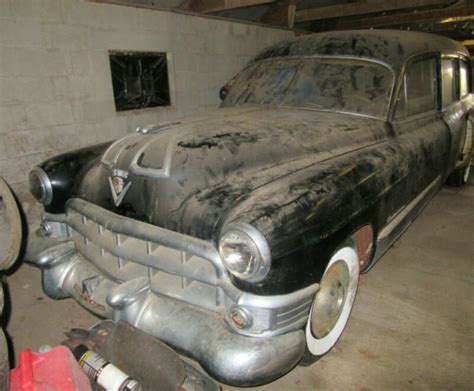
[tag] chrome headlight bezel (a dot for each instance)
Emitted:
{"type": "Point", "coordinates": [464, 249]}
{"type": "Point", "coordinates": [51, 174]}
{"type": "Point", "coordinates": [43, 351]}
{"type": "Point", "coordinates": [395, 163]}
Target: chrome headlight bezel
{"type": "Point", "coordinates": [45, 194]}
{"type": "Point", "coordinates": [259, 245]}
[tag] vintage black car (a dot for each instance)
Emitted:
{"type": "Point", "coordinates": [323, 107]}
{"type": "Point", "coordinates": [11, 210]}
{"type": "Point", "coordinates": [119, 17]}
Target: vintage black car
{"type": "Point", "coordinates": [238, 236]}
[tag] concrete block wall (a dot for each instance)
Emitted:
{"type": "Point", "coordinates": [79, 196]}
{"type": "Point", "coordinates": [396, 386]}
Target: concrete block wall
{"type": "Point", "coordinates": [55, 83]}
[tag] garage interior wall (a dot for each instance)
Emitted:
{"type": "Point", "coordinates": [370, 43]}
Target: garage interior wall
{"type": "Point", "coordinates": [55, 82]}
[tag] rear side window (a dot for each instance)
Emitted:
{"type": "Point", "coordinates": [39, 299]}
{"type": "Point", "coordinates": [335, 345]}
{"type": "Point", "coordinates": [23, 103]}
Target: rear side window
{"type": "Point", "coordinates": [463, 78]}
{"type": "Point", "coordinates": [449, 79]}
{"type": "Point", "coordinates": [419, 89]}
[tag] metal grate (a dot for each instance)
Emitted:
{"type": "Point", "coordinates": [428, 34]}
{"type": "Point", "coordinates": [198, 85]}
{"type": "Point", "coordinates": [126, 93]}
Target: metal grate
{"type": "Point", "coordinates": [173, 273]}
{"type": "Point", "coordinates": [139, 80]}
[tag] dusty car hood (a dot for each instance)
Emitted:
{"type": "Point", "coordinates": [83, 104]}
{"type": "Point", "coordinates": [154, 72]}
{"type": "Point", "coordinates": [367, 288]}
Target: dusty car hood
{"type": "Point", "coordinates": [187, 175]}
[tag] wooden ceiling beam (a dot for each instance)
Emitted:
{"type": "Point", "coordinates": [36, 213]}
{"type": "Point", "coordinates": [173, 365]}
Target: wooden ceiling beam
{"type": "Point", "coordinates": [208, 6]}
{"type": "Point", "coordinates": [435, 27]}
{"type": "Point", "coordinates": [438, 15]}
{"type": "Point", "coordinates": [282, 14]}
{"type": "Point", "coordinates": [361, 8]}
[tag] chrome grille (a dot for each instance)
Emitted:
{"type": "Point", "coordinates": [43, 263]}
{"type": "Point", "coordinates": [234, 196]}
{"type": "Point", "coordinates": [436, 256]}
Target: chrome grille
{"type": "Point", "coordinates": [170, 272]}
{"type": "Point", "coordinates": [174, 265]}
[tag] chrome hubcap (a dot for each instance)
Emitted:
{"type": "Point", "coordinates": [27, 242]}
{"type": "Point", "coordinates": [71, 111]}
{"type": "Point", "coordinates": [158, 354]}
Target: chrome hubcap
{"type": "Point", "coordinates": [330, 299]}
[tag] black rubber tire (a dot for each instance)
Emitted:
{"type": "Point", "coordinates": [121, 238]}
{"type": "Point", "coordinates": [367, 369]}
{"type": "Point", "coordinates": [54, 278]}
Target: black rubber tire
{"type": "Point", "coordinates": [308, 359]}
{"type": "Point", "coordinates": [460, 176]}
{"type": "Point", "coordinates": [14, 221]}
{"type": "Point", "coordinates": [4, 364]}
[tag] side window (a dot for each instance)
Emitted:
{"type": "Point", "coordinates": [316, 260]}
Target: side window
{"type": "Point", "coordinates": [419, 90]}
{"type": "Point", "coordinates": [449, 78]}
{"type": "Point", "coordinates": [463, 78]}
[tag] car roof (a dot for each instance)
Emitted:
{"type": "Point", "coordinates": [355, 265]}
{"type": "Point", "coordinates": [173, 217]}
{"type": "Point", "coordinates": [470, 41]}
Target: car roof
{"type": "Point", "coordinates": [393, 47]}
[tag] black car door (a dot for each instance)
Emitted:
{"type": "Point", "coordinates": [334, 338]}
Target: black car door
{"type": "Point", "coordinates": [422, 140]}
{"type": "Point", "coordinates": [422, 135]}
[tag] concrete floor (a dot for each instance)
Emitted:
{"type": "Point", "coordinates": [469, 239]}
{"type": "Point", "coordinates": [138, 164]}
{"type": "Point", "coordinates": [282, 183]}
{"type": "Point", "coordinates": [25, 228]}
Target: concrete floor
{"type": "Point", "coordinates": [412, 326]}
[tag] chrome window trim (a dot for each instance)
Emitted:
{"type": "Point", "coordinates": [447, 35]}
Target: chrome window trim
{"type": "Point", "coordinates": [402, 73]}
{"type": "Point", "coordinates": [401, 83]}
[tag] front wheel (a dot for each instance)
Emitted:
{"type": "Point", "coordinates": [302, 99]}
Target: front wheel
{"type": "Point", "coordinates": [332, 304]}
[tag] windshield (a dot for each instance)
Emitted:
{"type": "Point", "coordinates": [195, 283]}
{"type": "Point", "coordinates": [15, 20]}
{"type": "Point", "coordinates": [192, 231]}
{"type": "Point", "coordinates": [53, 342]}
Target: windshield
{"type": "Point", "coordinates": [335, 84]}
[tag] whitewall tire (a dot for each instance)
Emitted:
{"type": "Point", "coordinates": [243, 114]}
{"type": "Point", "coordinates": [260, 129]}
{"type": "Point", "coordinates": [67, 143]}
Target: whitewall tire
{"type": "Point", "coordinates": [333, 303]}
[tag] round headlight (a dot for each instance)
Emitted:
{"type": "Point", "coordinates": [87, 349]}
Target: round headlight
{"type": "Point", "coordinates": [245, 252]}
{"type": "Point", "coordinates": [40, 186]}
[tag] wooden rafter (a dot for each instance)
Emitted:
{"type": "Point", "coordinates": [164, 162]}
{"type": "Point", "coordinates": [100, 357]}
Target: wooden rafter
{"type": "Point", "coordinates": [464, 10]}
{"type": "Point", "coordinates": [361, 8]}
{"type": "Point", "coordinates": [208, 6]}
{"type": "Point", "coordinates": [282, 15]}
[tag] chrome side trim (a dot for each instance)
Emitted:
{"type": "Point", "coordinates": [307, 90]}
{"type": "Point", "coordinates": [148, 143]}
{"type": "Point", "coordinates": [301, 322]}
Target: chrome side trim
{"type": "Point", "coordinates": [248, 299]}
{"type": "Point", "coordinates": [155, 128]}
{"type": "Point", "coordinates": [400, 222]}
{"type": "Point", "coordinates": [395, 222]}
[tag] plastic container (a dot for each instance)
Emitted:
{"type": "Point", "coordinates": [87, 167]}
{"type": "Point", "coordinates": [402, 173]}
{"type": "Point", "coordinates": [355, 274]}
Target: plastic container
{"type": "Point", "coordinates": [50, 371]}
{"type": "Point", "coordinates": [103, 372]}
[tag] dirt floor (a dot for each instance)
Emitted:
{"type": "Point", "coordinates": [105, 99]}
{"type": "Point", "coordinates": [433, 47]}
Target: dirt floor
{"type": "Point", "coordinates": [412, 326]}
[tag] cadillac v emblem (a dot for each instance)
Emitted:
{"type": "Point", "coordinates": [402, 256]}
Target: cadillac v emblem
{"type": "Point", "coordinates": [118, 186]}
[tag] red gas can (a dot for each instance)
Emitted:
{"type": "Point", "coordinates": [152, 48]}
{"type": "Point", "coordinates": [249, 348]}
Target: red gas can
{"type": "Point", "coordinates": [56, 370]}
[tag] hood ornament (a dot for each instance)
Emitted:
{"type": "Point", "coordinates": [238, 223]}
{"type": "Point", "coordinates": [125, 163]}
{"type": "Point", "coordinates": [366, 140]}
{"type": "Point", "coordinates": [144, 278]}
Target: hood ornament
{"type": "Point", "coordinates": [118, 186]}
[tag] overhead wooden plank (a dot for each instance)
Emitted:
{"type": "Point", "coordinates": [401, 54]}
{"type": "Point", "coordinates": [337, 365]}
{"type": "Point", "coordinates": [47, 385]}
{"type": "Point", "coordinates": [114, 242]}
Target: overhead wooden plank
{"type": "Point", "coordinates": [291, 15]}
{"type": "Point", "coordinates": [465, 10]}
{"type": "Point", "coordinates": [361, 8]}
{"type": "Point", "coordinates": [282, 14]}
{"type": "Point", "coordinates": [440, 27]}
{"type": "Point", "coordinates": [207, 6]}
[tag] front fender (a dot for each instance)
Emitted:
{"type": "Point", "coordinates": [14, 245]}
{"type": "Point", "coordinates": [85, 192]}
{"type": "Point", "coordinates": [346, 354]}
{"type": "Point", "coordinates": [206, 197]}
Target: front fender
{"type": "Point", "coordinates": [305, 216]}
{"type": "Point", "coordinates": [65, 172]}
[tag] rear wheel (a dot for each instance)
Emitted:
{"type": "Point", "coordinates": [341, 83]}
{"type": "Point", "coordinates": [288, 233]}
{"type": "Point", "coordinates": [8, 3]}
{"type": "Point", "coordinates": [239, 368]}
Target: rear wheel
{"type": "Point", "coordinates": [460, 176]}
{"type": "Point", "coordinates": [332, 304]}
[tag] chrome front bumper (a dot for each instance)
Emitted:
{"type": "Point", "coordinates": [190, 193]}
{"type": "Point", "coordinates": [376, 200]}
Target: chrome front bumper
{"type": "Point", "coordinates": [237, 357]}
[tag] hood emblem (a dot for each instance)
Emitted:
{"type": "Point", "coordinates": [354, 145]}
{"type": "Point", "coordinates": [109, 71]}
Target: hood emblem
{"type": "Point", "coordinates": [118, 186]}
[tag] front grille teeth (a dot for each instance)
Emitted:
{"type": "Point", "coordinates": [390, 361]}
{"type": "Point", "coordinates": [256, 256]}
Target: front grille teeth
{"type": "Point", "coordinates": [169, 272]}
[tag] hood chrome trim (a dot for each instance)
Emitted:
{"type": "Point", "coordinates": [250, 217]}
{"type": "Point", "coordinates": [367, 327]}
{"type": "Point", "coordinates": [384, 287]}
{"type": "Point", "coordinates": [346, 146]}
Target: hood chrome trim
{"type": "Point", "coordinates": [163, 172]}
